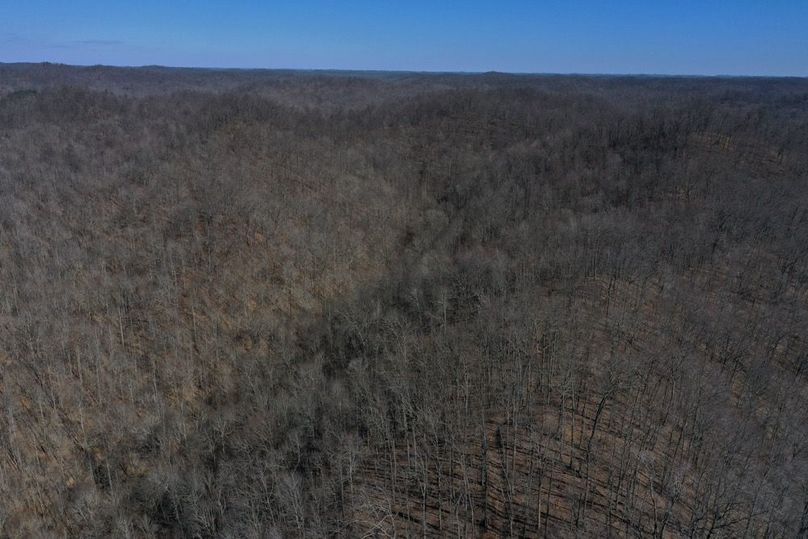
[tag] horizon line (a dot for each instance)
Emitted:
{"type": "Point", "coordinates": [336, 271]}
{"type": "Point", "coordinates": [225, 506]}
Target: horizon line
{"type": "Point", "coordinates": [407, 71]}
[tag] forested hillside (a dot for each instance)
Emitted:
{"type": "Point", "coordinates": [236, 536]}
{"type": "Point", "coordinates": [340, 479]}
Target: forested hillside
{"type": "Point", "coordinates": [310, 304]}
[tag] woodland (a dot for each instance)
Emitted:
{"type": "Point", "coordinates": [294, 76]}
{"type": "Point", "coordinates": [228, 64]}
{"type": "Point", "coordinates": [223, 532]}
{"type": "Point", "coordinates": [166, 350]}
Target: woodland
{"type": "Point", "coordinates": [246, 303]}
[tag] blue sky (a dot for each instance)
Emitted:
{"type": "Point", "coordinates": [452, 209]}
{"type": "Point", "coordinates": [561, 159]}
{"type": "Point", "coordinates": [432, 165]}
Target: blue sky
{"type": "Point", "coordinates": [708, 37]}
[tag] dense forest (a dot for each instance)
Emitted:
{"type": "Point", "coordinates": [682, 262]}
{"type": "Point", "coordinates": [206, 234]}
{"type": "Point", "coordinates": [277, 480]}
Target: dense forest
{"type": "Point", "coordinates": [315, 304]}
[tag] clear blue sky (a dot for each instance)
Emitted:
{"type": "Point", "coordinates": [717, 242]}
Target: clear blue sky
{"type": "Point", "coordinates": [734, 37]}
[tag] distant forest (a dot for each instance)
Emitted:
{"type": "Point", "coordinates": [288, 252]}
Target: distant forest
{"type": "Point", "coordinates": [268, 304]}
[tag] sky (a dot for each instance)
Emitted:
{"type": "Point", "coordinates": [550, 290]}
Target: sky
{"type": "Point", "coordinates": [685, 37]}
